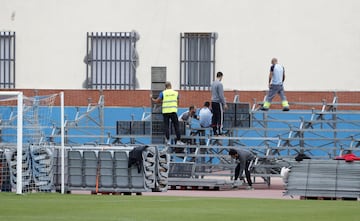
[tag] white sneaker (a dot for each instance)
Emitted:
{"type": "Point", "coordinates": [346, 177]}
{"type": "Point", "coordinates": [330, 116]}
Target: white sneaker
{"type": "Point", "coordinates": [168, 142]}
{"type": "Point", "coordinates": [179, 142]}
{"type": "Point", "coordinates": [250, 188]}
{"type": "Point", "coordinates": [237, 183]}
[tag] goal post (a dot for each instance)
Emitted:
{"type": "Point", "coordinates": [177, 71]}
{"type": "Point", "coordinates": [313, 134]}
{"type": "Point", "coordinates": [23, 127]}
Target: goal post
{"type": "Point", "coordinates": [32, 157]}
{"type": "Point", "coordinates": [19, 143]}
{"type": "Point", "coordinates": [62, 141]}
{"type": "Point", "coordinates": [19, 137]}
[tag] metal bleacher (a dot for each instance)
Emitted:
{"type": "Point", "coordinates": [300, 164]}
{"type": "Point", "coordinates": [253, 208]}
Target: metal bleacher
{"type": "Point", "coordinates": [320, 130]}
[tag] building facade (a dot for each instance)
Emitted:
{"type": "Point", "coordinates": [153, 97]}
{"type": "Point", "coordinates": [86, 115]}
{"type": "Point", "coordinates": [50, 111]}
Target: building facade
{"type": "Point", "coordinates": [113, 45]}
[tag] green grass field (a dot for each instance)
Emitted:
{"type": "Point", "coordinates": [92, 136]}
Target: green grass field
{"type": "Point", "coordinates": [72, 207]}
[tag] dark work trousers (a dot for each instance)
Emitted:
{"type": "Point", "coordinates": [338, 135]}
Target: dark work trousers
{"type": "Point", "coordinates": [217, 118]}
{"type": "Point", "coordinates": [175, 123]}
{"type": "Point", "coordinates": [247, 172]}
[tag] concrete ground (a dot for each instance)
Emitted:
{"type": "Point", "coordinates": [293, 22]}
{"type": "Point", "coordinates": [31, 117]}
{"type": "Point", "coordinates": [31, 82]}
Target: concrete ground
{"type": "Point", "coordinates": [262, 191]}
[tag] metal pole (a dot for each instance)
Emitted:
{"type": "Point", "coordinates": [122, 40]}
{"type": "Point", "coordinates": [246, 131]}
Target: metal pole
{"type": "Point", "coordinates": [62, 143]}
{"type": "Point", "coordinates": [19, 143]}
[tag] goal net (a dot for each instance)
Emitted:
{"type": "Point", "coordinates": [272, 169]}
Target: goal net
{"type": "Point", "coordinates": [28, 152]}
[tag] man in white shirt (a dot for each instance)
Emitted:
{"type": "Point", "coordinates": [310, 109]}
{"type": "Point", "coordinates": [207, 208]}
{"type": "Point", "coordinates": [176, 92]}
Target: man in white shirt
{"type": "Point", "coordinates": [205, 115]}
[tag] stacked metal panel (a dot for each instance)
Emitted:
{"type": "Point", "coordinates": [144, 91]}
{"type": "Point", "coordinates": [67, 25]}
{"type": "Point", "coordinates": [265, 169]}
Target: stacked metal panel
{"type": "Point", "coordinates": [5, 185]}
{"type": "Point", "coordinates": [75, 167]}
{"type": "Point", "coordinates": [162, 171]}
{"type": "Point", "coordinates": [137, 179]}
{"type": "Point", "coordinates": [37, 168]}
{"type": "Point", "coordinates": [42, 167]}
{"type": "Point", "coordinates": [149, 165]}
{"type": "Point", "coordinates": [90, 168]}
{"type": "Point", "coordinates": [324, 178]}
{"type": "Point", "coordinates": [109, 170]}
{"type": "Point", "coordinates": [121, 171]}
{"type": "Point", "coordinates": [106, 169]}
{"type": "Point", "coordinates": [11, 157]}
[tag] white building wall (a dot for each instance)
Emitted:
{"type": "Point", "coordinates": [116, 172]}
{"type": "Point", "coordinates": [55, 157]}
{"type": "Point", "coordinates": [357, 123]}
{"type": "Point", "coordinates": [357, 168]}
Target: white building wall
{"type": "Point", "coordinates": [318, 41]}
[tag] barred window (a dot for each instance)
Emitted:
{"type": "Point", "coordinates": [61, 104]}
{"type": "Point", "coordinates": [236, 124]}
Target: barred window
{"type": "Point", "coordinates": [7, 59]}
{"type": "Point", "coordinates": [111, 60]}
{"type": "Point", "coordinates": [197, 60]}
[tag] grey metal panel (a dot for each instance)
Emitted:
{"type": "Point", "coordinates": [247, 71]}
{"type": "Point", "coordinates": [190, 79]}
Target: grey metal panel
{"type": "Point", "coordinates": [106, 181]}
{"type": "Point", "coordinates": [121, 171]}
{"type": "Point", "coordinates": [90, 181]}
{"type": "Point", "coordinates": [324, 178]}
{"type": "Point", "coordinates": [75, 178]}
{"type": "Point", "coordinates": [137, 179]}
{"type": "Point", "coordinates": [90, 163]}
{"type": "Point", "coordinates": [150, 159]}
{"type": "Point", "coordinates": [121, 159]}
{"type": "Point", "coordinates": [121, 178]}
{"type": "Point", "coordinates": [158, 75]}
{"type": "Point", "coordinates": [74, 158]}
{"type": "Point", "coordinates": [106, 163]}
{"type": "Point", "coordinates": [157, 86]}
{"type": "Point", "coordinates": [75, 168]}
{"type": "Point", "coordinates": [42, 167]}
{"type": "Point", "coordinates": [106, 160]}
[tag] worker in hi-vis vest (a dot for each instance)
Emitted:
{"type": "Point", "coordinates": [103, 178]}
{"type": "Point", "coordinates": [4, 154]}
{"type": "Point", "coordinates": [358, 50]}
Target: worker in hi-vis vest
{"type": "Point", "coordinates": [169, 99]}
{"type": "Point", "coordinates": [276, 80]}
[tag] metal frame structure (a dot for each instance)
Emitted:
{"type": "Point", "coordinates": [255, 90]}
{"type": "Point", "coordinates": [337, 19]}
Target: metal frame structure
{"type": "Point", "coordinates": [25, 119]}
{"type": "Point", "coordinates": [322, 132]}
{"type": "Point", "coordinates": [90, 123]}
{"type": "Point", "coordinates": [276, 138]}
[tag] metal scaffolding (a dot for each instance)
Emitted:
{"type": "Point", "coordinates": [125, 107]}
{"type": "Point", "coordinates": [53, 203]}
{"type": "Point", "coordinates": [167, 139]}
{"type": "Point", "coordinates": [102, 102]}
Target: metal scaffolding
{"type": "Point", "coordinates": [323, 131]}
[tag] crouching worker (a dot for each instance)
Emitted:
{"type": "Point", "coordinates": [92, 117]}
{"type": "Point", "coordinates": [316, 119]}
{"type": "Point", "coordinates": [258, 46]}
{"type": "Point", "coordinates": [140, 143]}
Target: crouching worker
{"type": "Point", "coordinates": [243, 159]}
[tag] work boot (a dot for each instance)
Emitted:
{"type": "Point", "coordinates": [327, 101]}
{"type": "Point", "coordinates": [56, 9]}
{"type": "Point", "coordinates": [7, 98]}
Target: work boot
{"type": "Point", "coordinates": [286, 109]}
{"type": "Point", "coordinates": [264, 108]}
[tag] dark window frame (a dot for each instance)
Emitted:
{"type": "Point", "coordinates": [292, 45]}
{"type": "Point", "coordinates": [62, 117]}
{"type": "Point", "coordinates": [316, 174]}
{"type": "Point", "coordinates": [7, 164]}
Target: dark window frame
{"type": "Point", "coordinates": [197, 60]}
{"type": "Point", "coordinates": [7, 60]}
{"type": "Point", "coordinates": [111, 60]}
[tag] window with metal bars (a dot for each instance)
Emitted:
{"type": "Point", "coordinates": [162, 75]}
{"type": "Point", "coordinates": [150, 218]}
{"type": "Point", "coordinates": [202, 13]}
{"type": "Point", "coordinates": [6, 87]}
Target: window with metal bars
{"type": "Point", "coordinates": [197, 60]}
{"type": "Point", "coordinates": [7, 59]}
{"type": "Point", "coordinates": [111, 60]}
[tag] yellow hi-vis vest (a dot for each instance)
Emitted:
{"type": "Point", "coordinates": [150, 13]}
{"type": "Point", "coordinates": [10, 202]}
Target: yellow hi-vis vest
{"type": "Point", "coordinates": [170, 101]}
